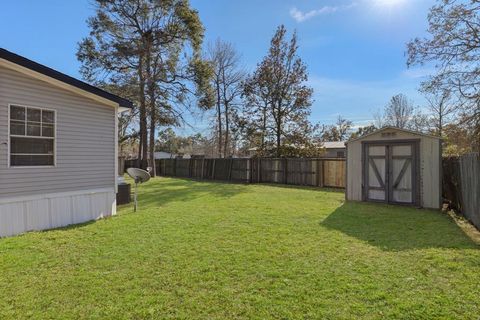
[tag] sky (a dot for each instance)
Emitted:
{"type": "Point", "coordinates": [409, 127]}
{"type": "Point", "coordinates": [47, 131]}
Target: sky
{"type": "Point", "coordinates": [354, 49]}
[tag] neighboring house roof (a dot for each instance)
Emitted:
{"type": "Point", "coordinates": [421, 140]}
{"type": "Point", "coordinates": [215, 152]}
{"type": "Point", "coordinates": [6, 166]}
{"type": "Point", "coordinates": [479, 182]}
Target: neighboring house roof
{"type": "Point", "coordinates": [49, 72]}
{"type": "Point", "coordinates": [396, 129]}
{"type": "Point", "coordinates": [333, 144]}
{"type": "Point", "coordinates": [163, 155]}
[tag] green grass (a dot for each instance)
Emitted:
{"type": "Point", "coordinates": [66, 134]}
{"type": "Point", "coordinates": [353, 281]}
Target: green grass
{"type": "Point", "coordinates": [223, 251]}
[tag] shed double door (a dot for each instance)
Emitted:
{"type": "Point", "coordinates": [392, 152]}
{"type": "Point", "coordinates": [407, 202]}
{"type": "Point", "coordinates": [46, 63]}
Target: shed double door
{"type": "Point", "coordinates": [390, 172]}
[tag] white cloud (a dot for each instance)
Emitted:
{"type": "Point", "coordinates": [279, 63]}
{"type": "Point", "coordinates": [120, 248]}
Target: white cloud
{"type": "Point", "coordinates": [301, 16]}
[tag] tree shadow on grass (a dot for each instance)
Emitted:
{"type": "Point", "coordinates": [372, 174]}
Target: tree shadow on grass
{"type": "Point", "coordinates": [160, 191]}
{"type": "Point", "coordinates": [397, 228]}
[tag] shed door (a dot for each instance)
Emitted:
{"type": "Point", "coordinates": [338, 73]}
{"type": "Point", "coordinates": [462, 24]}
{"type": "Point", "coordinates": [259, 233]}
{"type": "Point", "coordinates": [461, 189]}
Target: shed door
{"type": "Point", "coordinates": [390, 173]}
{"type": "Point", "coordinates": [377, 173]}
{"type": "Point", "coordinates": [401, 162]}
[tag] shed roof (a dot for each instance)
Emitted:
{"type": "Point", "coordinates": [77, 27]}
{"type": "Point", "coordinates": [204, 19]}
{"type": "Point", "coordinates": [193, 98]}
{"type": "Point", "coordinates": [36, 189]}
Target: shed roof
{"type": "Point", "coordinates": [333, 144]}
{"type": "Point", "coordinates": [49, 72]}
{"type": "Point", "coordinates": [396, 129]}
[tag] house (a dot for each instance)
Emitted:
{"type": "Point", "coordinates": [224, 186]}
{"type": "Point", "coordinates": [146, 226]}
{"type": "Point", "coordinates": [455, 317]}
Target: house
{"type": "Point", "coordinates": [396, 166]}
{"type": "Point", "coordinates": [328, 149]}
{"type": "Point", "coordinates": [164, 155]}
{"type": "Point", "coordinates": [58, 147]}
{"type": "Point", "coordinates": [333, 149]}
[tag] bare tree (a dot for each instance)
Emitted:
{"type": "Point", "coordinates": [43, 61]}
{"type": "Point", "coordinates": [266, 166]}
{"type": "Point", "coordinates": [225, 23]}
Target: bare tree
{"type": "Point", "coordinates": [362, 131]}
{"type": "Point", "coordinates": [420, 122]}
{"type": "Point", "coordinates": [441, 108]}
{"type": "Point", "coordinates": [398, 112]}
{"type": "Point", "coordinates": [378, 119]}
{"type": "Point", "coordinates": [338, 132]}
{"type": "Point", "coordinates": [454, 48]}
{"type": "Point", "coordinates": [256, 93]}
{"type": "Point", "coordinates": [227, 82]}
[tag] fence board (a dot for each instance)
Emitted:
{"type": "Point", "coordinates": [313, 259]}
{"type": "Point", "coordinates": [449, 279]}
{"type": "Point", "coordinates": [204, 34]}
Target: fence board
{"type": "Point", "coordinates": [451, 182]}
{"type": "Point", "coordinates": [470, 176]}
{"type": "Point", "coordinates": [240, 170]}
{"type": "Point", "coordinates": [334, 173]}
{"type": "Point", "coordinates": [298, 171]}
{"type": "Point", "coordinates": [196, 167]}
{"type": "Point", "coordinates": [182, 168]}
{"type": "Point", "coordinates": [461, 185]}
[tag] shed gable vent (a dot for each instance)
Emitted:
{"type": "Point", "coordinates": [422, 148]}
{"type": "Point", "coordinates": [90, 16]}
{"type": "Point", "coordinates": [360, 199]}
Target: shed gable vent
{"type": "Point", "coordinates": [390, 134]}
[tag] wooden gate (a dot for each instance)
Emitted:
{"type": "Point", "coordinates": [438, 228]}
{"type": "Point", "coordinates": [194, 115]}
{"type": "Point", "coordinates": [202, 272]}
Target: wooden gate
{"type": "Point", "coordinates": [391, 172]}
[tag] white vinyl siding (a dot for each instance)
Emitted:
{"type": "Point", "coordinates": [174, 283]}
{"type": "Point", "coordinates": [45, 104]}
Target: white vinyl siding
{"type": "Point", "coordinates": [47, 211]}
{"type": "Point", "coordinates": [85, 139]}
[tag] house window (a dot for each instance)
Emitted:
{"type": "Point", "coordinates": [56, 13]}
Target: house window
{"type": "Point", "coordinates": [340, 154]}
{"type": "Point", "coordinates": [32, 136]}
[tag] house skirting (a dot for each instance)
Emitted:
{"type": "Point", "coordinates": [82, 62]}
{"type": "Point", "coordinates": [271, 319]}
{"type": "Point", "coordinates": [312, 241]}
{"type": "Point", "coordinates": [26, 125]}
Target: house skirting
{"type": "Point", "coordinates": [54, 210]}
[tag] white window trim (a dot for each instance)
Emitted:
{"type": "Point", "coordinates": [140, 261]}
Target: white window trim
{"type": "Point", "coordinates": [115, 166]}
{"type": "Point", "coordinates": [36, 137]}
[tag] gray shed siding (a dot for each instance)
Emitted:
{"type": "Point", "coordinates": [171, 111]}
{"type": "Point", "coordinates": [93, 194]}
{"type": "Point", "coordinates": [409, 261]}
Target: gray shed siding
{"type": "Point", "coordinates": [85, 139]}
{"type": "Point", "coordinates": [430, 167]}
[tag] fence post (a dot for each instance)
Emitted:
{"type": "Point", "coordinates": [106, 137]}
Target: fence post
{"type": "Point", "coordinates": [285, 171]}
{"type": "Point", "coordinates": [174, 167]}
{"type": "Point", "coordinates": [203, 166]}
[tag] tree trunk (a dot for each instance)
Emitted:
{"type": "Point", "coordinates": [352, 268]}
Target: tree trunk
{"type": "Point", "coordinates": [440, 125]}
{"type": "Point", "coordinates": [219, 120]}
{"type": "Point", "coordinates": [153, 121]}
{"type": "Point", "coordinates": [139, 151]}
{"type": "Point", "coordinates": [279, 132]}
{"type": "Point", "coordinates": [476, 131]}
{"type": "Point", "coordinates": [227, 129]}
{"type": "Point", "coordinates": [264, 127]}
{"type": "Point", "coordinates": [226, 106]}
{"type": "Point", "coordinates": [151, 96]}
{"type": "Point", "coordinates": [142, 115]}
{"type": "Point", "coordinates": [279, 136]}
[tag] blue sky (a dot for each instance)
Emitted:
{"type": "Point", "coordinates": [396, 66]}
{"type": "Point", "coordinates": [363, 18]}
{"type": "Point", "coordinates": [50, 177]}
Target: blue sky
{"type": "Point", "coordinates": [354, 49]}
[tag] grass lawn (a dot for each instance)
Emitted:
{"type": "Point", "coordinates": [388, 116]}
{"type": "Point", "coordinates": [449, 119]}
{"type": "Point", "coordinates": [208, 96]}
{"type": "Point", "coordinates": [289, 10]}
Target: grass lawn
{"type": "Point", "coordinates": [200, 250]}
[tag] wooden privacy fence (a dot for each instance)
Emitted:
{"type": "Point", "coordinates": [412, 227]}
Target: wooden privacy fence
{"type": "Point", "coordinates": [461, 185]}
{"type": "Point", "coordinates": [306, 172]}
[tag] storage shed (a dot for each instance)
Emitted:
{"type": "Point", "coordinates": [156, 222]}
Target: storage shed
{"type": "Point", "coordinates": [397, 166]}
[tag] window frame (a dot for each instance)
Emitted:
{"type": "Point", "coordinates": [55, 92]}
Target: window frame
{"type": "Point", "coordinates": [54, 137]}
